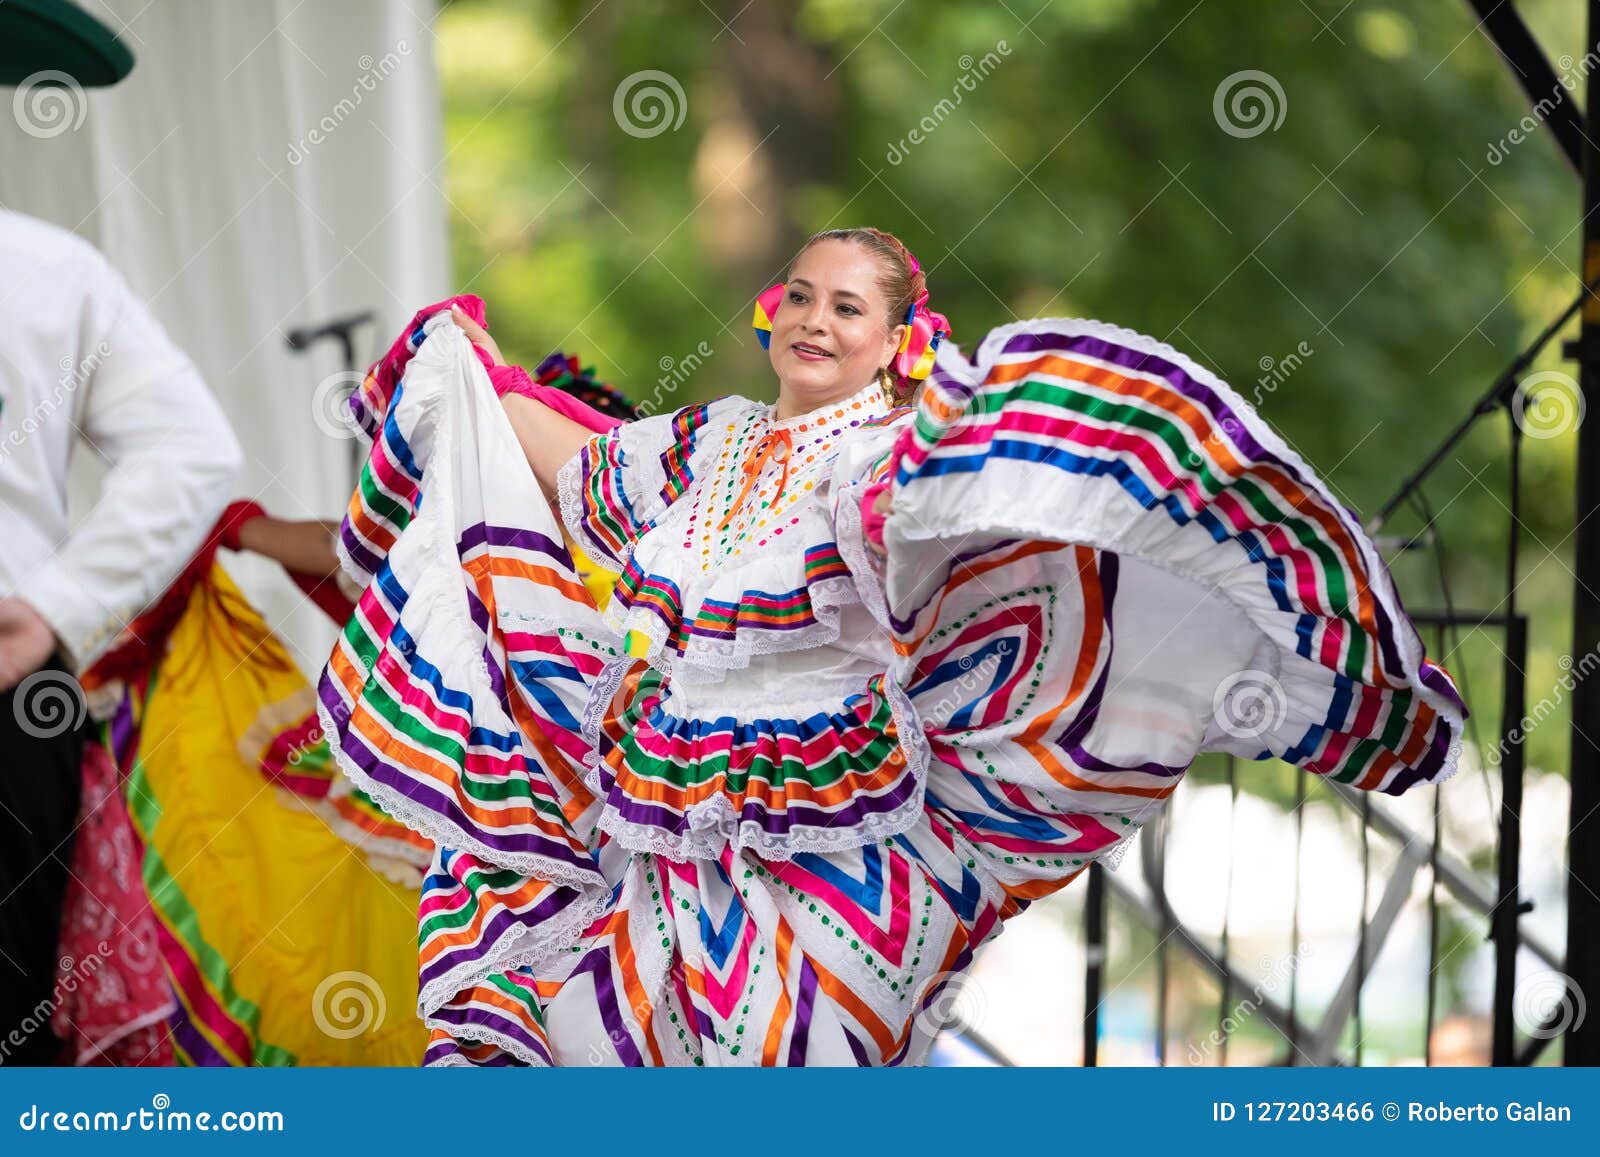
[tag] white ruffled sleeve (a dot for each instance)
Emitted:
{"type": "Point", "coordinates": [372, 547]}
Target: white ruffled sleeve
{"type": "Point", "coordinates": [614, 489]}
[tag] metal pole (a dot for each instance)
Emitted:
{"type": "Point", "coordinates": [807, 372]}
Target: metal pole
{"type": "Point", "coordinates": [1583, 850]}
{"type": "Point", "coordinates": [1530, 67]}
{"type": "Point", "coordinates": [1094, 920]}
{"type": "Point", "coordinates": [1508, 905]}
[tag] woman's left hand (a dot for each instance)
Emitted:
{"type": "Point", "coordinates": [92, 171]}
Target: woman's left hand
{"type": "Point", "coordinates": [477, 335]}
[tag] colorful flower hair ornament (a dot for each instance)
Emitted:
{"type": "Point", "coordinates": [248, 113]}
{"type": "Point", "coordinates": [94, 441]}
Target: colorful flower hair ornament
{"type": "Point", "coordinates": [925, 329]}
{"type": "Point", "coordinates": [766, 308]}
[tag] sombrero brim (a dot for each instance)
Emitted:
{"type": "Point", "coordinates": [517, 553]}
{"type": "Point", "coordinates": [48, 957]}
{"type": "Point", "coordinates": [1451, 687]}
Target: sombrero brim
{"type": "Point", "coordinates": [53, 36]}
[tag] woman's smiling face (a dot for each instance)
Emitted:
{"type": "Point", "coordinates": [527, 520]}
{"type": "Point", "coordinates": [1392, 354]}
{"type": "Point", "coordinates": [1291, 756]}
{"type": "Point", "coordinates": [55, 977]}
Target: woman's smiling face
{"type": "Point", "coordinates": [831, 332]}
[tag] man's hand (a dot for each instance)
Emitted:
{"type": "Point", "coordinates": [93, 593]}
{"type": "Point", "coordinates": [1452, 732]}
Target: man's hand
{"type": "Point", "coordinates": [26, 642]}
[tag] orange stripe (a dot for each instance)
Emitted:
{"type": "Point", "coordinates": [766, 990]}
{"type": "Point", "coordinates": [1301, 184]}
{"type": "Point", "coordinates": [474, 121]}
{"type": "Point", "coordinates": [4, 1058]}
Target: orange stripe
{"type": "Point", "coordinates": [528, 892]}
{"type": "Point", "coordinates": [780, 1014]}
{"type": "Point", "coordinates": [643, 1010]}
{"type": "Point", "coordinates": [841, 994]}
{"type": "Point", "coordinates": [1088, 658]}
{"type": "Point", "coordinates": [484, 565]}
{"type": "Point", "coordinates": [1033, 889]}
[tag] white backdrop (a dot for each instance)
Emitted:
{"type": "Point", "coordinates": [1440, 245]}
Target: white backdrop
{"type": "Point", "coordinates": [267, 165]}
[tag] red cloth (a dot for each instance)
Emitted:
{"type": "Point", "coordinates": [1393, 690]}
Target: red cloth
{"type": "Point", "coordinates": [112, 996]}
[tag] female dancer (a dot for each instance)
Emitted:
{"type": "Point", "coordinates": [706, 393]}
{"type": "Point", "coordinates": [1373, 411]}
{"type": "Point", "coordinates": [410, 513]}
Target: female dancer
{"type": "Point", "coordinates": [888, 659]}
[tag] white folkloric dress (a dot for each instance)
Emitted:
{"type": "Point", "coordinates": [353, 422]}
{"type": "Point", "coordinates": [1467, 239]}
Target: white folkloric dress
{"type": "Point", "coordinates": [768, 801]}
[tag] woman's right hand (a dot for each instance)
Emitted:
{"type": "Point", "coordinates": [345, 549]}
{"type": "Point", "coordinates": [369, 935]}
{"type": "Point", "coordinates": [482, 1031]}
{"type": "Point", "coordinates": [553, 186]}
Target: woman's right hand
{"type": "Point", "coordinates": [477, 335]}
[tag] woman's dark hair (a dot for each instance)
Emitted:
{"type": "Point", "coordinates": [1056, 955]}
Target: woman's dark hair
{"type": "Point", "coordinates": [898, 284]}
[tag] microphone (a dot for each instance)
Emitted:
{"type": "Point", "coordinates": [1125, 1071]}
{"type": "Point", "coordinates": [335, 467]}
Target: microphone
{"type": "Point", "coordinates": [339, 327]}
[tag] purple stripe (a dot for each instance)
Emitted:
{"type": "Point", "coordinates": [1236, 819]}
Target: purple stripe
{"type": "Point", "coordinates": [193, 1042]}
{"type": "Point", "coordinates": [354, 546]}
{"type": "Point", "coordinates": [598, 961]}
{"type": "Point", "coordinates": [553, 904]}
{"type": "Point", "coordinates": [804, 1004]}
{"type": "Point", "coordinates": [122, 728]}
{"type": "Point", "coordinates": [444, 806]}
{"type": "Point", "coordinates": [637, 811]}
{"type": "Point", "coordinates": [703, 1024]}
{"type": "Point", "coordinates": [1436, 680]}
{"type": "Point", "coordinates": [497, 682]}
{"type": "Point", "coordinates": [1385, 632]}
{"type": "Point", "coordinates": [467, 1018]}
{"type": "Point", "coordinates": [363, 414]}
{"type": "Point", "coordinates": [1072, 739]}
{"type": "Point", "coordinates": [482, 534]}
{"type": "Point", "coordinates": [857, 1048]}
{"type": "Point", "coordinates": [1428, 766]}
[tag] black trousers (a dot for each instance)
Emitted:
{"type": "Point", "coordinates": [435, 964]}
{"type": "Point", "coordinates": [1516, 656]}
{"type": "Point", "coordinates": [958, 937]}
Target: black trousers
{"type": "Point", "coordinates": [42, 735]}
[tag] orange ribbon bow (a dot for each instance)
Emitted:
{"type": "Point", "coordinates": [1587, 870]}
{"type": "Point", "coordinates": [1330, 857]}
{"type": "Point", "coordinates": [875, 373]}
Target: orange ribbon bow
{"type": "Point", "coordinates": [775, 446]}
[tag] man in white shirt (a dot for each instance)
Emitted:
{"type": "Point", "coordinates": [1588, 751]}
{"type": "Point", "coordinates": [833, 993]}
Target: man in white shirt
{"type": "Point", "coordinates": [82, 364]}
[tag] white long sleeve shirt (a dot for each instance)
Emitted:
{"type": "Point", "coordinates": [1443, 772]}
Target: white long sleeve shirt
{"type": "Point", "coordinates": [82, 361]}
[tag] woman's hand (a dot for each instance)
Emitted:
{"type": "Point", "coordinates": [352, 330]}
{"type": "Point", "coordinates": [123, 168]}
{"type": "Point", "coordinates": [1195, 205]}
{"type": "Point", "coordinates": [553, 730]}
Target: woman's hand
{"type": "Point", "coordinates": [881, 505]}
{"type": "Point", "coordinates": [477, 335]}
